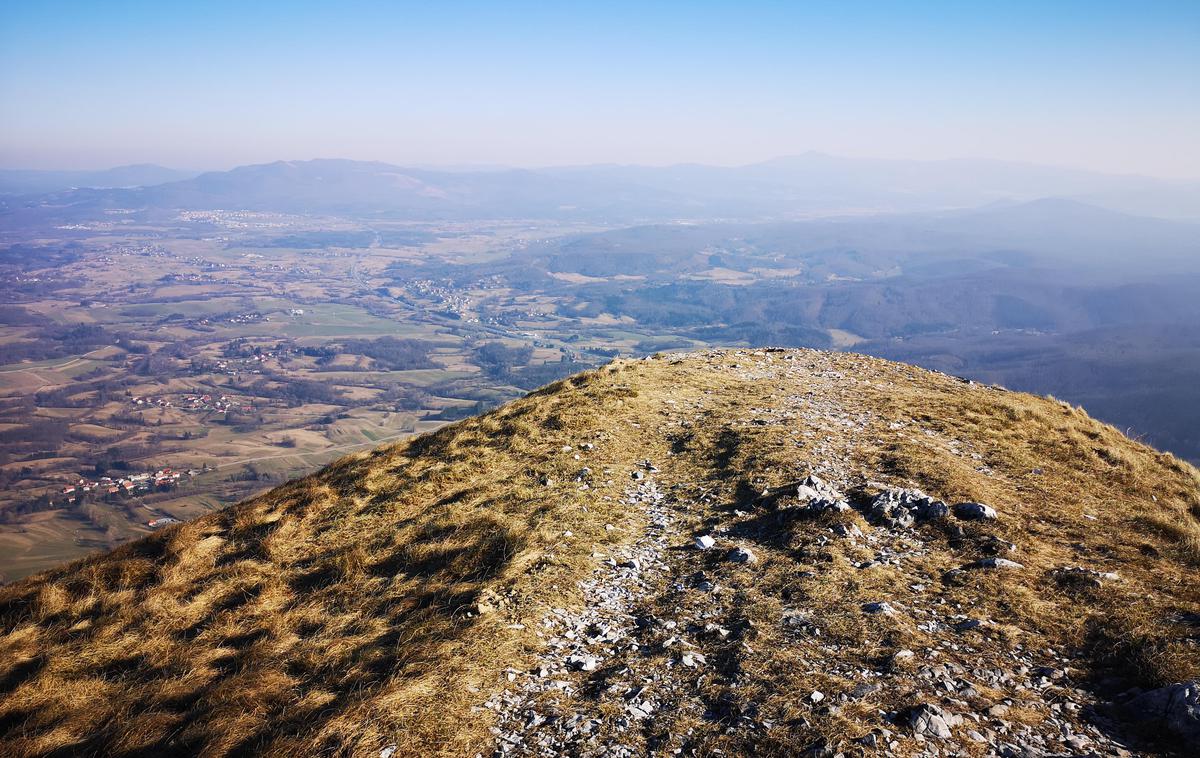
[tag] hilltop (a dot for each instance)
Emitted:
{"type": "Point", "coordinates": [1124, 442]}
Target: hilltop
{"type": "Point", "coordinates": [767, 552]}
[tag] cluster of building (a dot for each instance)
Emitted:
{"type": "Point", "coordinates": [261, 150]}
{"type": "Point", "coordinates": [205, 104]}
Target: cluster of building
{"type": "Point", "coordinates": [151, 250]}
{"type": "Point", "coordinates": [158, 251]}
{"type": "Point", "coordinates": [201, 403]}
{"type": "Point", "coordinates": [511, 318]}
{"type": "Point", "coordinates": [143, 483]}
{"type": "Point", "coordinates": [235, 219]}
{"type": "Point", "coordinates": [448, 297]}
{"type": "Point", "coordinates": [192, 278]}
{"type": "Point", "coordinates": [250, 364]}
{"type": "Point", "coordinates": [252, 317]}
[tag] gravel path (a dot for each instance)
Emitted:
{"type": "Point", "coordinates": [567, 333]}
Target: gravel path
{"type": "Point", "coordinates": [538, 714]}
{"type": "Point", "coordinates": [663, 626]}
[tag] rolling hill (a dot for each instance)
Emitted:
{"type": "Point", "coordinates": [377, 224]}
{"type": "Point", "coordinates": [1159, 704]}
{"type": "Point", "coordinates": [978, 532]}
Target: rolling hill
{"type": "Point", "coordinates": [740, 552]}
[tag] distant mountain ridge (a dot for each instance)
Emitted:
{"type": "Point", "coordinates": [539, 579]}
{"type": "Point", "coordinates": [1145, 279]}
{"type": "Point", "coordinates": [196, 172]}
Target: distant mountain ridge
{"type": "Point", "coordinates": [30, 181]}
{"type": "Point", "coordinates": [792, 187]}
{"type": "Point", "coordinates": [1050, 231]}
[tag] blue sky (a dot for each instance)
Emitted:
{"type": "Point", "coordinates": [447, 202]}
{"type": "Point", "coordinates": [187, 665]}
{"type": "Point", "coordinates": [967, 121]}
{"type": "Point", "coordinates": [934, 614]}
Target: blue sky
{"type": "Point", "coordinates": [1109, 86]}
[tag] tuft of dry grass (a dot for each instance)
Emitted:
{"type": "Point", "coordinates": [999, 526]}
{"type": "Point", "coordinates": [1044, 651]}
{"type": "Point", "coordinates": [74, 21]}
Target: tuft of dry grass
{"type": "Point", "coordinates": [336, 614]}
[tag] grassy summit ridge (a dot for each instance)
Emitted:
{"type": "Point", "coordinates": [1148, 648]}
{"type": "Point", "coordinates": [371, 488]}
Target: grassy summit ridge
{"type": "Point", "coordinates": [381, 601]}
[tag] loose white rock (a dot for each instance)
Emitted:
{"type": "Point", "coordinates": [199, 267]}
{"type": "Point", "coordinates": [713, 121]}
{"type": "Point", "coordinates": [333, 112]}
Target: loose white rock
{"type": "Point", "coordinates": [974, 511]}
{"type": "Point", "coordinates": [582, 662]}
{"type": "Point", "coordinates": [691, 660]}
{"type": "Point", "coordinates": [995, 563]}
{"type": "Point", "coordinates": [742, 555]}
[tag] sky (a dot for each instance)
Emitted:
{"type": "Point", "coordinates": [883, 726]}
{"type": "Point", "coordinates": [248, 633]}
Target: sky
{"type": "Point", "coordinates": [1101, 85]}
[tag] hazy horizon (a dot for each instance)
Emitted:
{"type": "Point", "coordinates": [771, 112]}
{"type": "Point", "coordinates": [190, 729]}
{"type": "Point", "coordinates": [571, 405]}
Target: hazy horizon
{"type": "Point", "coordinates": [467, 167]}
{"type": "Point", "coordinates": [1095, 86]}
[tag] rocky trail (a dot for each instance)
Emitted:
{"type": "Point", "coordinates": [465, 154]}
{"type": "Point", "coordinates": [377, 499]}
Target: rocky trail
{"type": "Point", "coordinates": [653, 659]}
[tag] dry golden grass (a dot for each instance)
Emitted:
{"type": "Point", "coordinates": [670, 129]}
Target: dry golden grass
{"type": "Point", "coordinates": [1146, 528]}
{"type": "Point", "coordinates": [338, 614]}
{"type": "Point", "coordinates": [331, 615]}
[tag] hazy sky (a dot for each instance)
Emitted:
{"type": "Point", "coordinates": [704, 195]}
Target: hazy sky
{"type": "Point", "coordinates": [1112, 86]}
